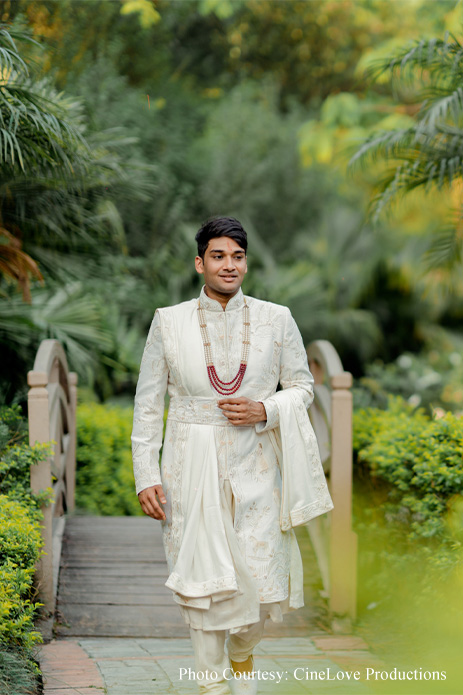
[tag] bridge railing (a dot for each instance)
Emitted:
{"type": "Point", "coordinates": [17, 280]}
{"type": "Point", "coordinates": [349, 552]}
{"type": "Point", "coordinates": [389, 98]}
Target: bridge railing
{"type": "Point", "coordinates": [52, 401]}
{"type": "Point", "coordinates": [334, 542]}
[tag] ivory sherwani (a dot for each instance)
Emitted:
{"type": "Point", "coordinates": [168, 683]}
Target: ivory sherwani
{"type": "Point", "coordinates": [223, 565]}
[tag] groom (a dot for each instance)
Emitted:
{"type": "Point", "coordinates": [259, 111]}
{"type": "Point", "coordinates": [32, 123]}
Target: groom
{"type": "Point", "coordinates": [240, 464]}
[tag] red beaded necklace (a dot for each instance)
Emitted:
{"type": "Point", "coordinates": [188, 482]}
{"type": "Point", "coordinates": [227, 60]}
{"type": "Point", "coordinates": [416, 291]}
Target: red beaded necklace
{"type": "Point", "coordinates": [225, 388]}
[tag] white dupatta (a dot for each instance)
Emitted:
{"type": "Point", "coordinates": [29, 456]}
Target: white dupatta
{"type": "Point", "coordinates": [305, 493]}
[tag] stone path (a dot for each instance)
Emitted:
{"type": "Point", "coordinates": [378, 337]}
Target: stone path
{"type": "Point", "coordinates": [144, 666]}
{"type": "Point", "coordinates": [119, 632]}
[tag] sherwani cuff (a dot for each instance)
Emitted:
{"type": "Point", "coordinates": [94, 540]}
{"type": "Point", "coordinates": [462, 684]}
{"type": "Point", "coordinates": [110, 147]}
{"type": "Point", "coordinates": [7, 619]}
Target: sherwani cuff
{"type": "Point", "coordinates": [148, 480]}
{"type": "Point", "coordinates": [273, 419]}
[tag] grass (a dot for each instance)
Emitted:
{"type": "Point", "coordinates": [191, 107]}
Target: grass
{"type": "Point", "coordinates": [18, 673]}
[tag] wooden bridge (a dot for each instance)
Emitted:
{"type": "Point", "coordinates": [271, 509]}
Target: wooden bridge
{"type": "Point", "coordinates": [104, 576]}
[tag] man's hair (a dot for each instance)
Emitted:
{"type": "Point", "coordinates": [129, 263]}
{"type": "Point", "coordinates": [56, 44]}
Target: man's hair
{"type": "Point", "coordinates": [217, 227]}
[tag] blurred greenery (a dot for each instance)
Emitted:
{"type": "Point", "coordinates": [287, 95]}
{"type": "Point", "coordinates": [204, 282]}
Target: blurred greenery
{"type": "Point", "coordinates": [408, 514]}
{"type": "Point", "coordinates": [124, 125]}
{"type": "Point", "coordinates": [104, 476]}
{"type": "Point", "coordinates": [167, 113]}
{"type": "Point", "coordinates": [432, 380]}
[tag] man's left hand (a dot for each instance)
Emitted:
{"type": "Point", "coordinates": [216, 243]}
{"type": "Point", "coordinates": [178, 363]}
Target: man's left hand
{"type": "Point", "coordinates": [242, 411]}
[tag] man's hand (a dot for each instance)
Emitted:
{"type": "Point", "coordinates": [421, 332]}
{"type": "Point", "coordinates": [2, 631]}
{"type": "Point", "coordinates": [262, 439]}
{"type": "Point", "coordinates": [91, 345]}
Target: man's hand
{"type": "Point", "coordinates": [149, 503]}
{"type": "Point", "coordinates": [242, 411]}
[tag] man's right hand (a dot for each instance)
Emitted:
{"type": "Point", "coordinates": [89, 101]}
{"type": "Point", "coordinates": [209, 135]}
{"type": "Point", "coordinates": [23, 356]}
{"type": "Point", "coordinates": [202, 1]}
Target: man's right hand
{"type": "Point", "coordinates": [150, 504]}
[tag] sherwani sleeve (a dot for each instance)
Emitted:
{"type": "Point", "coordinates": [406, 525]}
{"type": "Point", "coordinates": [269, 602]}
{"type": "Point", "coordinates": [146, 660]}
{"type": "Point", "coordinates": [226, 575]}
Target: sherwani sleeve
{"type": "Point", "coordinates": [148, 413]}
{"type": "Point", "coordinates": [294, 373]}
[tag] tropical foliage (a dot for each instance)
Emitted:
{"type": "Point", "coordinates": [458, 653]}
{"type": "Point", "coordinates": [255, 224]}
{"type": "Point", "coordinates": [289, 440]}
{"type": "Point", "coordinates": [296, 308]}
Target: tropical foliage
{"type": "Point", "coordinates": [104, 476]}
{"type": "Point", "coordinates": [429, 152]}
{"type": "Point", "coordinates": [215, 120]}
{"type": "Point", "coordinates": [20, 547]}
{"type": "Point", "coordinates": [123, 125]}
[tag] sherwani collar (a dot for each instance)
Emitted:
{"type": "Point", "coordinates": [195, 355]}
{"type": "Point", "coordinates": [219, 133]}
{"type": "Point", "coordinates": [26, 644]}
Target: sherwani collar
{"type": "Point", "coordinates": [236, 302]}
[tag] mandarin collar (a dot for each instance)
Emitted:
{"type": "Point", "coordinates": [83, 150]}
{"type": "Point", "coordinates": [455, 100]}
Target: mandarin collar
{"type": "Point", "coordinates": [236, 302]}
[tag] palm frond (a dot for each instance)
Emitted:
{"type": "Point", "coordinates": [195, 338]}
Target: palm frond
{"type": "Point", "coordinates": [441, 58]}
{"type": "Point", "coordinates": [445, 250]}
{"type": "Point", "coordinates": [441, 105]}
{"type": "Point", "coordinates": [382, 144]}
{"type": "Point", "coordinates": [9, 56]}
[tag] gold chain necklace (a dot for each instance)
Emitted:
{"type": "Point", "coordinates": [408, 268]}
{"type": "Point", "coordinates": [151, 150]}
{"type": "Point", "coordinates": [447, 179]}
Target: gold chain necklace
{"type": "Point", "coordinates": [225, 388]}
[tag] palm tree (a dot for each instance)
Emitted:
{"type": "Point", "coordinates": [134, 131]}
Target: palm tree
{"type": "Point", "coordinates": [58, 223]}
{"type": "Point", "coordinates": [52, 178]}
{"type": "Point", "coordinates": [429, 154]}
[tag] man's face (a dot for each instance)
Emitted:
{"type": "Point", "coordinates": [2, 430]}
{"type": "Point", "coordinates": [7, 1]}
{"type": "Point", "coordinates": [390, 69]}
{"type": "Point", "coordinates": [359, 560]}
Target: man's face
{"type": "Point", "coordinates": [224, 265]}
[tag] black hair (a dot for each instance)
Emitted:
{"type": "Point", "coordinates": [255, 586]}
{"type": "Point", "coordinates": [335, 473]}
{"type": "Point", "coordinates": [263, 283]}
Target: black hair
{"type": "Point", "coordinates": [217, 227]}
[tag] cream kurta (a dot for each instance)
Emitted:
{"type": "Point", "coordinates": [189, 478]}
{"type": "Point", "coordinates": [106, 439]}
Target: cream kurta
{"type": "Point", "coordinates": [222, 570]}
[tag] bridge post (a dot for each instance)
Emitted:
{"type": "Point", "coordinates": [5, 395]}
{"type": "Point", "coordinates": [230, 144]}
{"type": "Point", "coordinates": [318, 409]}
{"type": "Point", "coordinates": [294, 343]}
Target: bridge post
{"type": "Point", "coordinates": [343, 541]}
{"type": "Point", "coordinates": [39, 429]}
{"type": "Point", "coordinates": [334, 542]}
{"type": "Point", "coordinates": [71, 459]}
{"type": "Point", "coordinates": [52, 401]}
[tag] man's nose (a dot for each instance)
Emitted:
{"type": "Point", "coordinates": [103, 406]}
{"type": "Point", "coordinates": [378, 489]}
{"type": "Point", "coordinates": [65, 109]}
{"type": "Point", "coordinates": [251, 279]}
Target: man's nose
{"type": "Point", "coordinates": [229, 263]}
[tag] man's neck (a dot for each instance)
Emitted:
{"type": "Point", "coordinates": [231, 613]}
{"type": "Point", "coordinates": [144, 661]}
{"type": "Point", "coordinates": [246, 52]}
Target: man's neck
{"type": "Point", "coordinates": [223, 299]}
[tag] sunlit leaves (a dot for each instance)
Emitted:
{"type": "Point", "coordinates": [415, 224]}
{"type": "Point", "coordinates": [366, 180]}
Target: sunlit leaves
{"type": "Point", "coordinates": [429, 154]}
{"type": "Point", "coordinates": [222, 8]}
{"type": "Point", "coordinates": [148, 15]}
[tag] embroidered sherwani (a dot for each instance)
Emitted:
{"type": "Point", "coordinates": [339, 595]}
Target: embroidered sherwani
{"type": "Point", "coordinates": [224, 565]}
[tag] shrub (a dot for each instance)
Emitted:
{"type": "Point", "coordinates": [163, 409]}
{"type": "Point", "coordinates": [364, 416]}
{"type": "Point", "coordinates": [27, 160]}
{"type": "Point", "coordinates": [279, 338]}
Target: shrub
{"type": "Point", "coordinates": [408, 503]}
{"type": "Point", "coordinates": [104, 473]}
{"type": "Point", "coordinates": [20, 544]}
{"type": "Point", "coordinates": [421, 458]}
{"type": "Point", "coordinates": [16, 610]}
{"type": "Point", "coordinates": [20, 537]}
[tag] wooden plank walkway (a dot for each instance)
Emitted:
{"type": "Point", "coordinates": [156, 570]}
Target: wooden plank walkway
{"type": "Point", "coordinates": [119, 631]}
{"type": "Point", "coordinates": [112, 576]}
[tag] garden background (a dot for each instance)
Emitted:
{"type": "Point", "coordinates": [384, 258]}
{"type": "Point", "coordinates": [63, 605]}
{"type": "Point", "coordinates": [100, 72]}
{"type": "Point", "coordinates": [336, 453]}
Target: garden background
{"type": "Point", "coordinates": [333, 131]}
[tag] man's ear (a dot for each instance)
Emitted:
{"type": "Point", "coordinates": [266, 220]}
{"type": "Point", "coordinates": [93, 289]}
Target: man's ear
{"type": "Point", "coordinates": [199, 265]}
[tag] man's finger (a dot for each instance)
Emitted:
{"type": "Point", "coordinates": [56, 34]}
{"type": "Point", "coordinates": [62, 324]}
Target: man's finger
{"type": "Point", "coordinates": [148, 510]}
{"type": "Point", "coordinates": [159, 513]}
{"type": "Point", "coordinates": [231, 407]}
{"type": "Point", "coordinates": [149, 503]}
{"type": "Point", "coordinates": [232, 401]}
{"type": "Point", "coordinates": [160, 493]}
{"type": "Point", "coordinates": [232, 413]}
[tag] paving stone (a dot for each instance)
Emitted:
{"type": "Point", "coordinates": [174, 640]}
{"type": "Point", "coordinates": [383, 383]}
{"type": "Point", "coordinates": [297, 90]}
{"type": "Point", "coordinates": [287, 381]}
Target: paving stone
{"type": "Point", "coordinates": [357, 660]}
{"type": "Point", "coordinates": [113, 647]}
{"type": "Point", "coordinates": [65, 664]}
{"type": "Point", "coordinates": [339, 642]}
{"type": "Point", "coordinates": [287, 645]}
{"type": "Point", "coordinates": [169, 647]}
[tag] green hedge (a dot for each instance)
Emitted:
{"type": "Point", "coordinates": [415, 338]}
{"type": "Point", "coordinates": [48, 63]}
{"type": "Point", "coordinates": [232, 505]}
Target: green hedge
{"type": "Point", "coordinates": [408, 502]}
{"type": "Point", "coordinates": [421, 458]}
{"type": "Point", "coordinates": [20, 547]}
{"type": "Point", "coordinates": [104, 473]}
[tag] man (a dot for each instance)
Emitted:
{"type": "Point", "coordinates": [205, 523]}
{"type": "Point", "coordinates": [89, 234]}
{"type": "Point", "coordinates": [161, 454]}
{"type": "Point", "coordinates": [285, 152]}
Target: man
{"type": "Point", "coordinates": [240, 464]}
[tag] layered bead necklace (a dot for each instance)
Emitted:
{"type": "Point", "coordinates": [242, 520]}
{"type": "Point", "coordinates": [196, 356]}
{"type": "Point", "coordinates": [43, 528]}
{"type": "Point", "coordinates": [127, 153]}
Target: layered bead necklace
{"type": "Point", "coordinates": [225, 388]}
